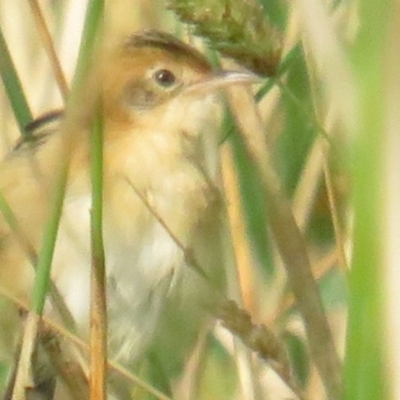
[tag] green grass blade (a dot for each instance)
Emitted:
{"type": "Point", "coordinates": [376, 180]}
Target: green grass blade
{"type": "Point", "coordinates": [13, 87]}
{"type": "Point", "coordinates": [45, 256]}
{"type": "Point", "coordinates": [364, 364]}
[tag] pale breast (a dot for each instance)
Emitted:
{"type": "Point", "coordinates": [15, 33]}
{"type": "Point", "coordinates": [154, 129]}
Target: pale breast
{"type": "Point", "coordinates": [144, 233]}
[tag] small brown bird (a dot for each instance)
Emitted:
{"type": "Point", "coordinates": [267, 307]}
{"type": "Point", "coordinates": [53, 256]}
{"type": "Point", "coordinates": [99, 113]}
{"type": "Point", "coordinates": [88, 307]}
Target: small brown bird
{"type": "Point", "coordinates": [161, 193]}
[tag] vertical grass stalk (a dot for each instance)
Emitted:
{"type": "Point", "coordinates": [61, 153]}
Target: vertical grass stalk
{"type": "Point", "coordinates": [13, 87]}
{"type": "Point", "coordinates": [364, 364]}
{"type": "Point", "coordinates": [98, 308]}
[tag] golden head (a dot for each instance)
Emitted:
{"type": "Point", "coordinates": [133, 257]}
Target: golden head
{"type": "Point", "coordinates": [153, 71]}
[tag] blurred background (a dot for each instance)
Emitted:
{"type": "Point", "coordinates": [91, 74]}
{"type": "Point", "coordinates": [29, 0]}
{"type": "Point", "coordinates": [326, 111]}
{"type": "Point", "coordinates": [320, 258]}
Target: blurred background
{"type": "Point", "coordinates": [329, 113]}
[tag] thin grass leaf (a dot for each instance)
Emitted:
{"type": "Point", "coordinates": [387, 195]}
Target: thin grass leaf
{"type": "Point", "coordinates": [24, 376]}
{"type": "Point", "coordinates": [390, 212]}
{"type": "Point", "coordinates": [90, 34]}
{"type": "Point", "coordinates": [49, 47]}
{"type": "Point", "coordinates": [72, 338]}
{"type": "Point", "coordinates": [45, 255]}
{"type": "Point", "coordinates": [294, 253]}
{"type": "Point", "coordinates": [98, 306]}
{"type": "Point", "coordinates": [94, 14]}
{"type": "Point", "coordinates": [12, 84]}
{"type": "Point", "coordinates": [364, 371]}
{"type": "Point", "coordinates": [259, 339]}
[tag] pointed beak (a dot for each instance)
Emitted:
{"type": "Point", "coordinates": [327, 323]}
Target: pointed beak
{"type": "Point", "coordinates": [225, 78]}
{"type": "Point", "coordinates": [222, 79]}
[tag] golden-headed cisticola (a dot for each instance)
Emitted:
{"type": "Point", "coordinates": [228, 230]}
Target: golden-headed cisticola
{"type": "Point", "coordinates": [160, 105]}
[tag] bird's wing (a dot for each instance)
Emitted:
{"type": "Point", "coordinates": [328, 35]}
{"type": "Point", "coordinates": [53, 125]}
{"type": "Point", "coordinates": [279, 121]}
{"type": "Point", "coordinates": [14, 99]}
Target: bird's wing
{"type": "Point", "coordinates": [39, 130]}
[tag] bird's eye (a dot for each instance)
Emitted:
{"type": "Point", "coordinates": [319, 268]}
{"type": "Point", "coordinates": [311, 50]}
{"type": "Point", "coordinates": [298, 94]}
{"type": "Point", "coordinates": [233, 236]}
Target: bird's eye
{"type": "Point", "coordinates": [165, 78]}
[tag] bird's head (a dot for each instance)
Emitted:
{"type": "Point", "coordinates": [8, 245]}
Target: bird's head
{"type": "Point", "coordinates": [155, 78]}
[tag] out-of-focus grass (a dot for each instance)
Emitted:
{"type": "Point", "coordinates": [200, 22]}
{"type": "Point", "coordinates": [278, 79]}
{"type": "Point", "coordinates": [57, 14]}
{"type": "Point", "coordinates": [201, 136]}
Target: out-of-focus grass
{"type": "Point", "coordinates": [366, 373]}
{"type": "Point", "coordinates": [13, 87]}
{"type": "Point", "coordinates": [330, 100]}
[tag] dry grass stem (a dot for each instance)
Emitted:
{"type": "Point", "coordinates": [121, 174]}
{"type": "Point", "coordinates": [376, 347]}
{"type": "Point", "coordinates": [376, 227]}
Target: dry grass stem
{"type": "Point", "coordinates": [391, 215]}
{"type": "Point", "coordinates": [244, 262]}
{"type": "Point", "coordinates": [82, 345]}
{"type": "Point", "coordinates": [48, 45]}
{"type": "Point", "coordinates": [259, 339]}
{"type": "Point", "coordinates": [308, 183]}
{"type": "Point", "coordinates": [98, 338]}
{"type": "Point", "coordinates": [292, 248]}
{"type": "Point", "coordinates": [24, 375]}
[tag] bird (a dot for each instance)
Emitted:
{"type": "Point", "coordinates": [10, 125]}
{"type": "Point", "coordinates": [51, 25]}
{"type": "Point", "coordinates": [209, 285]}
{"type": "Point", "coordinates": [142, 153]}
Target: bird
{"type": "Point", "coordinates": [162, 202]}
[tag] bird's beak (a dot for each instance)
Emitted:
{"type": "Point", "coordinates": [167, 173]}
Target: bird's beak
{"type": "Point", "coordinates": [223, 79]}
